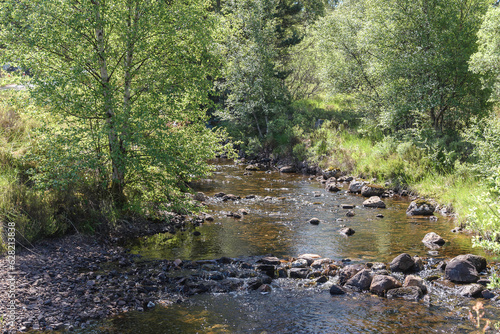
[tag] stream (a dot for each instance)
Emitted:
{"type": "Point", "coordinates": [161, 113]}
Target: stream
{"type": "Point", "coordinates": [277, 225]}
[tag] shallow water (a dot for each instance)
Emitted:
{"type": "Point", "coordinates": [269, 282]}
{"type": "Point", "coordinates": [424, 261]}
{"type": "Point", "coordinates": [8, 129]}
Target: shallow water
{"type": "Point", "coordinates": [278, 226]}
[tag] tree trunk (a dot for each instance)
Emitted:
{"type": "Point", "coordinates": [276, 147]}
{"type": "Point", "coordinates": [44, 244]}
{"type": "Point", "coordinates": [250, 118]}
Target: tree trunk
{"type": "Point", "coordinates": [115, 144]}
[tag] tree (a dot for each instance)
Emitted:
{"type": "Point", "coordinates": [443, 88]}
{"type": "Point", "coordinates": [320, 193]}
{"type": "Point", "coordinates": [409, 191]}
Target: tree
{"type": "Point", "coordinates": [124, 81]}
{"type": "Point", "coordinates": [486, 60]}
{"type": "Point", "coordinates": [407, 59]}
{"type": "Point", "coordinates": [256, 95]}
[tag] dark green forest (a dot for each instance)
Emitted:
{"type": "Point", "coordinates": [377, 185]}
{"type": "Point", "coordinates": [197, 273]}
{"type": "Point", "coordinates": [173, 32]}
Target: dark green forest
{"type": "Point", "coordinates": [125, 101]}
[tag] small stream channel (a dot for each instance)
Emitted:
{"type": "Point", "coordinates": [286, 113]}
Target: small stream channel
{"type": "Point", "coordinates": [277, 225]}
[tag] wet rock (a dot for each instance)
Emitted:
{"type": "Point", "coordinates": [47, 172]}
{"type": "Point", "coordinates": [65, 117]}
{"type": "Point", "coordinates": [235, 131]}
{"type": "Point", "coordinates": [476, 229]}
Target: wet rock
{"type": "Point", "coordinates": [378, 266]}
{"type": "Point", "coordinates": [477, 261]}
{"type": "Point", "coordinates": [298, 272]}
{"type": "Point", "coordinates": [200, 197]}
{"type": "Point", "coordinates": [270, 260]}
{"type": "Point", "coordinates": [412, 280]}
{"type": "Point", "coordinates": [347, 206]}
{"type": "Point", "coordinates": [310, 258]}
{"type": "Point", "coordinates": [460, 270]}
{"type": "Point", "coordinates": [336, 290]}
{"type": "Point", "coordinates": [471, 290]}
{"type": "Point", "coordinates": [288, 169]}
{"type": "Point", "coordinates": [300, 263]}
{"type": "Point", "coordinates": [374, 202]}
{"type": "Point", "coordinates": [333, 187]}
{"type": "Point", "coordinates": [314, 221]}
{"type": "Point", "coordinates": [255, 167]}
{"type": "Point", "coordinates": [250, 197]}
{"type": "Point", "coordinates": [220, 194]}
{"type": "Point", "coordinates": [345, 179]}
{"type": "Point", "coordinates": [230, 197]}
{"type": "Point", "coordinates": [349, 271]}
{"type": "Point", "coordinates": [419, 264]}
{"type": "Point", "coordinates": [321, 280]}
{"type": "Point", "coordinates": [209, 218]}
{"type": "Point", "coordinates": [408, 293]}
{"type": "Point", "coordinates": [370, 190]}
{"type": "Point", "coordinates": [402, 263]}
{"type": "Point", "coordinates": [332, 172]}
{"type": "Point", "coordinates": [483, 281]}
{"type": "Point", "coordinates": [382, 283]}
{"type": "Point", "coordinates": [355, 186]}
{"type": "Point", "coordinates": [487, 294]}
{"type": "Point", "coordinates": [243, 212]}
{"type": "Point", "coordinates": [320, 262]}
{"type": "Point", "coordinates": [350, 213]}
{"type": "Point", "coordinates": [420, 208]}
{"type": "Point", "coordinates": [264, 288]}
{"type": "Point", "coordinates": [380, 215]}
{"type": "Point", "coordinates": [361, 281]}
{"type": "Point", "coordinates": [268, 269]}
{"type": "Point", "coordinates": [347, 231]}
{"type": "Point", "coordinates": [432, 239]}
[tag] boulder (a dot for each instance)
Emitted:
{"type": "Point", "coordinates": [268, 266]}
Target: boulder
{"type": "Point", "coordinates": [355, 186]}
{"type": "Point", "coordinates": [300, 263]}
{"type": "Point", "coordinates": [361, 281]}
{"type": "Point", "coordinates": [408, 293]}
{"type": "Point", "coordinates": [471, 290]}
{"type": "Point", "coordinates": [412, 280]}
{"type": "Point", "coordinates": [200, 197]}
{"type": "Point", "coordinates": [298, 272]}
{"type": "Point", "coordinates": [288, 169]}
{"type": "Point", "coordinates": [382, 283]}
{"type": "Point", "coordinates": [331, 172]}
{"type": "Point", "coordinates": [314, 221]}
{"type": "Point", "coordinates": [230, 197]}
{"type": "Point", "coordinates": [374, 202]}
{"type": "Point", "coordinates": [369, 190]}
{"type": "Point", "coordinates": [320, 262]}
{"type": "Point", "coordinates": [479, 262]}
{"type": "Point", "coordinates": [336, 290]}
{"type": "Point", "coordinates": [333, 187]}
{"type": "Point", "coordinates": [347, 206]}
{"type": "Point", "coordinates": [420, 208]}
{"type": "Point", "coordinates": [349, 271]}
{"type": "Point", "coordinates": [402, 263]}
{"type": "Point", "coordinates": [431, 240]}
{"type": "Point", "coordinates": [347, 231]}
{"type": "Point", "coordinates": [460, 270]}
{"type": "Point", "coordinates": [310, 258]}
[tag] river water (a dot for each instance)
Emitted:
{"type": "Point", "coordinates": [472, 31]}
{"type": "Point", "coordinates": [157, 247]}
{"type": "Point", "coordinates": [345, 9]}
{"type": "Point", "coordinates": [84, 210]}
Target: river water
{"type": "Point", "coordinates": [277, 225]}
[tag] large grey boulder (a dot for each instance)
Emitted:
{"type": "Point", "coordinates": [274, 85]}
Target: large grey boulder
{"type": "Point", "coordinates": [479, 262]}
{"type": "Point", "coordinates": [374, 202]}
{"type": "Point", "coordinates": [369, 190]}
{"type": "Point", "coordinates": [355, 186]}
{"type": "Point", "coordinates": [402, 263]}
{"type": "Point", "coordinates": [361, 281]}
{"type": "Point", "coordinates": [460, 270]}
{"type": "Point", "coordinates": [383, 283]}
{"type": "Point", "coordinates": [420, 208]}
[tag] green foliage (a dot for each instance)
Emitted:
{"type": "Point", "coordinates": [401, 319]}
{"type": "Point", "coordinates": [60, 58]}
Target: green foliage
{"type": "Point", "coordinates": [485, 60]}
{"type": "Point", "coordinates": [257, 97]}
{"type": "Point", "coordinates": [122, 83]}
{"type": "Point", "coordinates": [485, 138]}
{"type": "Point", "coordinates": [484, 217]}
{"type": "Point", "coordinates": [405, 61]}
{"type": "Point", "coordinates": [494, 280]}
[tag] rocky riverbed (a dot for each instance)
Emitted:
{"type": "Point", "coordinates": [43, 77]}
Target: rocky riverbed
{"type": "Point", "coordinates": [71, 282]}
